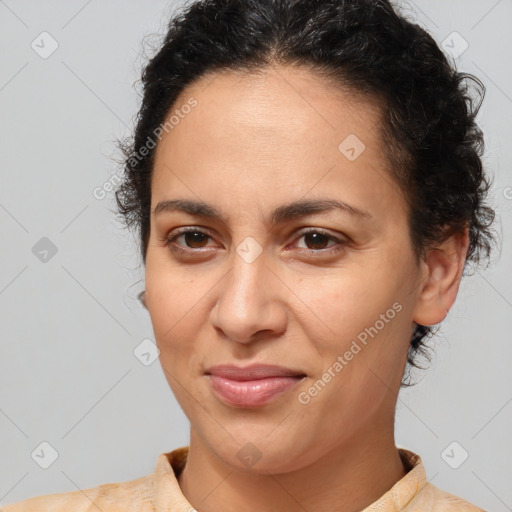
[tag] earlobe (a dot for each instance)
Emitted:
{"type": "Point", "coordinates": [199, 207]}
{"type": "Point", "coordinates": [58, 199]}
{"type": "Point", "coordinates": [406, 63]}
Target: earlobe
{"type": "Point", "coordinates": [443, 267]}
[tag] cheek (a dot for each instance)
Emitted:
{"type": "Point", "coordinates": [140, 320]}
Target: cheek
{"type": "Point", "coordinates": [340, 308]}
{"type": "Point", "coordinates": [363, 332]}
{"type": "Point", "coordinates": [177, 303]}
{"type": "Point", "coordinates": [171, 295]}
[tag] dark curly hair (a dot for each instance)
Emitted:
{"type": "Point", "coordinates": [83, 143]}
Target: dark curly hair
{"type": "Point", "coordinates": [363, 46]}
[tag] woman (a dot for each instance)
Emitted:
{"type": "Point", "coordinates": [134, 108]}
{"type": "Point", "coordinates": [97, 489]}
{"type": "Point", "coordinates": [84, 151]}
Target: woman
{"type": "Point", "coordinates": [306, 181]}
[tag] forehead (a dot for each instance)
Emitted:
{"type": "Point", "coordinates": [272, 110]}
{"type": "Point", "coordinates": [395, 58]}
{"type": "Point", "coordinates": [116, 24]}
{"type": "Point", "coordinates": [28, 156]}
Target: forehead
{"type": "Point", "coordinates": [280, 99]}
{"type": "Point", "coordinates": [279, 132]}
{"type": "Point", "coordinates": [272, 112]}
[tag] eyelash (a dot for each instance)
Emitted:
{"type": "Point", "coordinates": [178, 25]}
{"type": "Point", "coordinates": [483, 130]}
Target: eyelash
{"type": "Point", "coordinates": [176, 248]}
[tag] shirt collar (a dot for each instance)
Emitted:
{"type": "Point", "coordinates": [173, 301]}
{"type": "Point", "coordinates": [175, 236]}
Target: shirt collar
{"type": "Point", "coordinates": [169, 497]}
{"type": "Point", "coordinates": [404, 491]}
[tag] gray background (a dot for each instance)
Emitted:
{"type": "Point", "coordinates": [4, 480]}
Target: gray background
{"type": "Point", "coordinates": [69, 325]}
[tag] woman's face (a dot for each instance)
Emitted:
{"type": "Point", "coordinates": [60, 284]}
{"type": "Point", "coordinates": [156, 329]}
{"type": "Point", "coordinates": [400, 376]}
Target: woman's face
{"type": "Point", "coordinates": [253, 287]}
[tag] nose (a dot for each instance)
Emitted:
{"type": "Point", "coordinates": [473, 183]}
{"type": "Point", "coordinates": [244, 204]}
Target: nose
{"type": "Point", "coordinates": [251, 303]}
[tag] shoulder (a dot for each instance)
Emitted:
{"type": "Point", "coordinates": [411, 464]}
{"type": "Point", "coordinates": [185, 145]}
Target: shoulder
{"type": "Point", "coordinates": [133, 495]}
{"type": "Point", "coordinates": [431, 498]}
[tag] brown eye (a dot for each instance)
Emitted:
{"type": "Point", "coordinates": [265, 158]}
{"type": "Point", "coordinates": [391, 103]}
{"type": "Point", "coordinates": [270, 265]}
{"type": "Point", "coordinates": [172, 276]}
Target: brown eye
{"type": "Point", "coordinates": [316, 240]}
{"type": "Point", "coordinates": [193, 239]}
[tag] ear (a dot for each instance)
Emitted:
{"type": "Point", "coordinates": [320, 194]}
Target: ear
{"type": "Point", "coordinates": [142, 297]}
{"type": "Point", "coordinates": [442, 272]}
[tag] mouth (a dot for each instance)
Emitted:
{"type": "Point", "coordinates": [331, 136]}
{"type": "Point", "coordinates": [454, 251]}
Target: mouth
{"type": "Point", "coordinates": [251, 386]}
{"type": "Point", "coordinates": [252, 372]}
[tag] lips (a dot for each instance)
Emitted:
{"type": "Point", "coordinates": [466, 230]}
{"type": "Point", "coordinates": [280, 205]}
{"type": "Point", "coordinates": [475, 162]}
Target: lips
{"type": "Point", "coordinates": [253, 372]}
{"type": "Point", "coordinates": [251, 386]}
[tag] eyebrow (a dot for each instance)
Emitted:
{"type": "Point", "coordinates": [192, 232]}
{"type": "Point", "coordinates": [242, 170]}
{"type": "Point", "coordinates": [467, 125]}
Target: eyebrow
{"type": "Point", "coordinates": [283, 213]}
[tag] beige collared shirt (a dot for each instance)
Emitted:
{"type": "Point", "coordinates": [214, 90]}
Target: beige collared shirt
{"type": "Point", "coordinates": [160, 492]}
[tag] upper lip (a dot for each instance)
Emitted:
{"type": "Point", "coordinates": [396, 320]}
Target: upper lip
{"type": "Point", "coordinates": [252, 372]}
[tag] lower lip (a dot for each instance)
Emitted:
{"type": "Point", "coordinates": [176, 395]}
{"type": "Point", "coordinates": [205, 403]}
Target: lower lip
{"type": "Point", "coordinates": [251, 393]}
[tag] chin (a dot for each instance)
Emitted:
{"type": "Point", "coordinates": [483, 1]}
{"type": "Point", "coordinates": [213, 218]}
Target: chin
{"type": "Point", "coordinates": [259, 455]}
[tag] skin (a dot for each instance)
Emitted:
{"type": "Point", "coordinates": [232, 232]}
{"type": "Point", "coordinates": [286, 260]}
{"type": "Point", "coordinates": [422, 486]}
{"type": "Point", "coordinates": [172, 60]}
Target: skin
{"type": "Point", "coordinates": [253, 143]}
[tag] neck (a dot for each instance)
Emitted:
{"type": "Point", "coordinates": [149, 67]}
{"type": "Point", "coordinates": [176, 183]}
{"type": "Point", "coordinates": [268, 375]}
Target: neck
{"type": "Point", "coordinates": [348, 479]}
